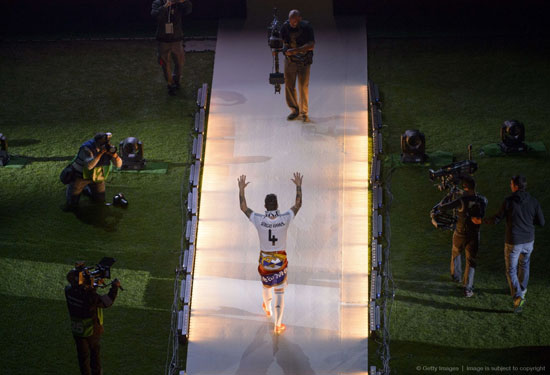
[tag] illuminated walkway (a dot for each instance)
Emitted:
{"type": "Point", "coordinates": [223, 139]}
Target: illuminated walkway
{"type": "Point", "coordinates": [326, 301]}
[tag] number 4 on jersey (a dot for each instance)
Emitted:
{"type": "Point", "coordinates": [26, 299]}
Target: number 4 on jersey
{"type": "Point", "coordinates": [272, 238]}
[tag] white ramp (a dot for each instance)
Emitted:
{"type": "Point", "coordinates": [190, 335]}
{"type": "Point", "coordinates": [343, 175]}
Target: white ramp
{"type": "Point", "coordinates": [326, 309]}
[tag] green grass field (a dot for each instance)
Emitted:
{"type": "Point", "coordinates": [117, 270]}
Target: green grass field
{"type": "Point", "coordinates": [457, 92]}
{"type": "Point", "coordinates": [52, 98]}
{"type": "Point", "coordinates": [55, 96]}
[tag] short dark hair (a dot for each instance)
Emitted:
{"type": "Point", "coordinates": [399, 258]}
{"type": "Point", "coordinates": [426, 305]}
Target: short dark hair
{"type": "Point", "coordinates": [294, 13]}
{"type": "Point", "coordinates": [520, 181]}
{"type": "Point", "coordinates": [271, 203]}
{"type": "Point", "coordinates": [469, 182]}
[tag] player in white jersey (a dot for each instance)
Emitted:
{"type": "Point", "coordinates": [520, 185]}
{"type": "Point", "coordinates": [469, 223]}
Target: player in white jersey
{"type": "Point", "coordinates": [272, 228]}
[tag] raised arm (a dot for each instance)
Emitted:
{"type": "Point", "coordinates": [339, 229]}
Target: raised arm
{"type": "Point", "coordinates": [117, 161]}
{"type": "Point", "coordinates": [92, 161]}
{"type": "Point", "coordinates": [298, 181]}
{"type": "Point", "coordinates": [242, 185]}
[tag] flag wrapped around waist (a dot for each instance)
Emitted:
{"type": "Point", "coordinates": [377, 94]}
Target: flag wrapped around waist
{"type": "Point", "coordinates": [273, 267]}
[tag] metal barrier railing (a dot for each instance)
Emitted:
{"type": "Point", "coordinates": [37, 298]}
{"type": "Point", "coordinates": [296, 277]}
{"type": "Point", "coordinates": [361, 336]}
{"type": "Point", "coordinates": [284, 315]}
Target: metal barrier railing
{"type": "Point", "coordinates": [181, 307]}
{"type": "Point", "coordinates": [381, 288]}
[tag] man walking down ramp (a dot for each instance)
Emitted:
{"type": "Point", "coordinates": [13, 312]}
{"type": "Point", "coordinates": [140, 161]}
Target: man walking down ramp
{"type": "Point", "coordinates": [272, 228]}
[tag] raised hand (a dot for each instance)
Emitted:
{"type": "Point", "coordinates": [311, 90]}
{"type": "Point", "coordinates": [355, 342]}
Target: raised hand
{"type": "Point", "coordinates": [242, 182]}
{"type": "Point", "coordinates": [242, 200]}
{"type": "Point", "coordinates": [297, 179]}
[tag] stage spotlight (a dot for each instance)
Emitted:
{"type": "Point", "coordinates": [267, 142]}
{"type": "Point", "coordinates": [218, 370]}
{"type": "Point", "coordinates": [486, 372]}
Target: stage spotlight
{"type": "Point", "coordinates": [4, 157]}
{"type": "Point", "coordinates": [413, 147]}
{"type": "Point", "coordinates": [512, 134]}
{"type": "Point", "coordinates": [131, 152]}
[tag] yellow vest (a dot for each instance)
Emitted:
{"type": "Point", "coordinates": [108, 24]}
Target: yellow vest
{"type": "Point", "coordinates": [97, 174]}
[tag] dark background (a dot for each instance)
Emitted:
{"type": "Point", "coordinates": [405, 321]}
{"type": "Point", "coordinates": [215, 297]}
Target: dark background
{"type": "Point", "coordinates": [27, 17]}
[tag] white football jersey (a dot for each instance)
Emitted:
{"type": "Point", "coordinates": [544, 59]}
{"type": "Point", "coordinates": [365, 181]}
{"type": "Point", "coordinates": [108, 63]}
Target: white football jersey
{"type": "Point", "coordinates": [272, 227]}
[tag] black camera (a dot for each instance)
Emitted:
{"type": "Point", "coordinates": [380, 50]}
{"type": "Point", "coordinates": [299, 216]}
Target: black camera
{"type": "Point", "coordinates": [103, 140]}
{"type": "Point", "coordinates": [120, 200]}
{"type": "Point", "coordinates": [449, 178]}
{"type": "Point", "coordinates": [274, 39]}
{"type": "Point", "coordinates": [94, 277]}
{"type": "Point", "coordinates": [108, 147]}
{"type": "Point", "coordinates": [449, 175]}
{"type": "Point", "coordinates": [275, 42]}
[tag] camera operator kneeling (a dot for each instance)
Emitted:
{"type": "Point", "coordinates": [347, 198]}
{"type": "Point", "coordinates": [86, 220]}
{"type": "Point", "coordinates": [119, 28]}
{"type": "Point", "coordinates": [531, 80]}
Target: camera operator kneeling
{"type": "Point", "coordinates": [90, 168]}
{"type": "Point", "coordinates": [85, 308]}
{"type": "Point", "coordinates": [470, 210]}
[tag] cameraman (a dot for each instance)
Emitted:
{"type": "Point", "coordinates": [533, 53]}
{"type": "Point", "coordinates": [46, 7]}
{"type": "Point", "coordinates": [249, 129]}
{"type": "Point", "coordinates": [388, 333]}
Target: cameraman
{"type": "Point", "coordinates": [471, 209]}
{"type": "Point", "coordinates": [169, 15]}
{"type": "Point", "coordinates": [85, 308]}
{"type": "Point", "coordinates": [299, 42]}
{"type": "Point", "coordinates": [91, 167]}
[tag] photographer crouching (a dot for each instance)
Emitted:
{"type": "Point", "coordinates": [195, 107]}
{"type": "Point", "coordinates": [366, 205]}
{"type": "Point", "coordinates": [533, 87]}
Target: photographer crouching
{"type": "Point", "coordinates": [85, 309]}
{"type": "Point", "coordinates": [470, 210]}
{"type": "Point", "coordinates": [89, 170]}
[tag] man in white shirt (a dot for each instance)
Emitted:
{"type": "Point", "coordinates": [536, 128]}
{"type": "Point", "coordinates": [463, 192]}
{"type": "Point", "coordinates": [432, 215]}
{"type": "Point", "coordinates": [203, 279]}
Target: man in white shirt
{"type": "Point", "coordinates": [272, 229]}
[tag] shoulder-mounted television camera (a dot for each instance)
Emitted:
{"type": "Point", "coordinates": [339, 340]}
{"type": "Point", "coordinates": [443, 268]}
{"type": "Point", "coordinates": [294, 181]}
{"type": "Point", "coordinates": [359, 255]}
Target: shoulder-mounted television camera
{"type": "Point", "coordinates": [449, 175]}
{"type": "Point", "coordinates": [449, 178]}
{"type": "Point", "coordinates": [93, 277]}
{"type": "Point", "coordinates": [275, 42]}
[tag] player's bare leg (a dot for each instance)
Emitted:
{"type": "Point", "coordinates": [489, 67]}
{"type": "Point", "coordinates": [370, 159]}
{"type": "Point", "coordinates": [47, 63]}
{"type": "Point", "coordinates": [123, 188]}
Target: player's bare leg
{"type": "Point", "coordinates": [279, 309]}
{"type": "Point", "coordinates": [267, 297]}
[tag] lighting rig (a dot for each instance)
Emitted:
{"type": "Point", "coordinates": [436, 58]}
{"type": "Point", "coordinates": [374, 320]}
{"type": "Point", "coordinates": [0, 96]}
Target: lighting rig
{"type": "Point", "coordinates": [512, 136]}
{"type": "Point", "coordinates": [131, 153]}
{"type": "Point", "coordinates": [413, 147]}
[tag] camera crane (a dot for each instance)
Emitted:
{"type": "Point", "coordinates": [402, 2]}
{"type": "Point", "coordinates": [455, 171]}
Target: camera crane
{"type": "Point", "coordinates": [275, 42]}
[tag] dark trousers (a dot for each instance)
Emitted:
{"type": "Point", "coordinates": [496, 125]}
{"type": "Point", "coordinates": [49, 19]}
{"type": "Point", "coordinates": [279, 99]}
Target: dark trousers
{"type": "Point", "coordinates": [301, 71]}
{"type": "Point", "coordinates": [75, 188]}
{"type": "Point", "coordinates": [168, 53]}
{"type": "Point", "coordinates": [469, 245]}
{"type": "Point", "coordinates": [88, 354]}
